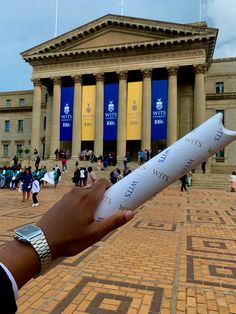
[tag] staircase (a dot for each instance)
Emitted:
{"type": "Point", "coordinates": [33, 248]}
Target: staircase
{"type": "Point", "coordinates": [210, 181]}
{"type": "Point", "coordinates": [199, 180]}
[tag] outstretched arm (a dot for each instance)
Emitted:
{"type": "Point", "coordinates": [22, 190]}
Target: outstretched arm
{"type": "Point", "coordinates": [69, 228]}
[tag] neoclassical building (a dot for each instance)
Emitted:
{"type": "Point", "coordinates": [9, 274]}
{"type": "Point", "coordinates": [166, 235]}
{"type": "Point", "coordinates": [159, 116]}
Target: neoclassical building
{"type": "Point", "coordinates": [124, 84]}
{"type": "Point", "coordinates": [131, 53]}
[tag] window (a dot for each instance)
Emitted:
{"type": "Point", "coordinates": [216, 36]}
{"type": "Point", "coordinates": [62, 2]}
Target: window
{"type": "Point", "coordinates": [223, 112]}
{"type": "Point", "coordinates": [21, 102]}
{"type": "Point", "coordinates": [219, 87]}
{"type": "Point", "coordinates": [5, 150]}
{"type": "Point", "coordinates": [220, 156]}
{"type": "Point", "coordinates": [19, 150]}
{"type": "Point", "coordinates": [7, 125]}
{"type": "Point", "coordinates": [20, 126]}
{"type": "Point", "coordinates": [8, 102]}
{"type": "Point", "coordinates": [44, 123]}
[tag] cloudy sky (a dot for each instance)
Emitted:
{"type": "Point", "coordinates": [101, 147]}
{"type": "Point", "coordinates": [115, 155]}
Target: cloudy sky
{"type": "Point", "coordinates": [27, 23]}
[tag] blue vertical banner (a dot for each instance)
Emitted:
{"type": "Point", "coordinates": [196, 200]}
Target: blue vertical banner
{"type": "Point", "coordinates": [159, 109]}
{"type": "Point", "coordinates": [66, 113]}
{"type": "Point", "coordinates": [111, 92]}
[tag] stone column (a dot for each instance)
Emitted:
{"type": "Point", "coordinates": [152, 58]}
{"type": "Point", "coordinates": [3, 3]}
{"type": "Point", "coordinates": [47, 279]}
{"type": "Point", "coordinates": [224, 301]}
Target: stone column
{"type": "Point", "coordinates": [146, 109]}
{"type": "Point", "coordinates": [99, 115]}
{"type": "Point", "coordinates": [55, 134]}
{"type": "Point", "coordinates": [172, 119]}
{"type": "Point", "coordinates": [199, 95]}
{"type": "Point", "coordinates": [77, 117]}
{"type": "Point", "coordinates": [48, 124]}
{"type": "Point", "coordinates": [122, 103]}
{"type": "Point", "coordinates": [36, 116]}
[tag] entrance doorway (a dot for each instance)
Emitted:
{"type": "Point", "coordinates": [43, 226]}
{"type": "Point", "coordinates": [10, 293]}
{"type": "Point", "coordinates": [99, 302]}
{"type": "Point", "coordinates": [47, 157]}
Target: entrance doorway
{"type": "Point", "coordinates": [109, 147]}
{"type": "Point", "coordinates": [158, 146]}
{"type": "Point", "coordinates": [132, 149]}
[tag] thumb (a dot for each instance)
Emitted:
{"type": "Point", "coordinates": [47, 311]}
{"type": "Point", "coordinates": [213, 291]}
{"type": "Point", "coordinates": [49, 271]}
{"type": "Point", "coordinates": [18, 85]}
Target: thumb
{"type": "Point", "coordinates": [114, 221]}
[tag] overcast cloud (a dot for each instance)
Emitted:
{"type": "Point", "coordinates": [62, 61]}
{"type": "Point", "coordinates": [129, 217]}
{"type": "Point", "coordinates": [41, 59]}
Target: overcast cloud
{"type": "Point", "coordinates": [26, 23]}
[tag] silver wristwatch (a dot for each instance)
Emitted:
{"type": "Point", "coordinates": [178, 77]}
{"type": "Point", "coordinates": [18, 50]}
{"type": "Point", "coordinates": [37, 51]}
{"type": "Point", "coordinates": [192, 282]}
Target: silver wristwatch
{"type": "Point", "coordinates": [34, 235]}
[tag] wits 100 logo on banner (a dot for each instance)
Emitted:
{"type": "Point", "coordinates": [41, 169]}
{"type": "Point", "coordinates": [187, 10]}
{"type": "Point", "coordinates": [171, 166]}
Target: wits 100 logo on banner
{"type": "Point", "coordinates": [134, 111]}
{"type": "Point", "coordinates": [66, 113]}
{"type": "Point", "coordinates": [159, 109]}
{"type": "Point", "coordinates": [110, 111]}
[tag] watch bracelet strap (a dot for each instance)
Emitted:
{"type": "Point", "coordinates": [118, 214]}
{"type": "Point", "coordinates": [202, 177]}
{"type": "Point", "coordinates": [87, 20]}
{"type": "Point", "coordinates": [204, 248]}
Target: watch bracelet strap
{"type": "Point", "coordinates": [41, 246]}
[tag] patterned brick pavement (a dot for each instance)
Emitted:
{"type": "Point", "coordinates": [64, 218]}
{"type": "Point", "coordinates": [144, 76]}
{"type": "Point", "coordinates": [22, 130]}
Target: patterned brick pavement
{"type": "Point", "coordinates": [178, 255]}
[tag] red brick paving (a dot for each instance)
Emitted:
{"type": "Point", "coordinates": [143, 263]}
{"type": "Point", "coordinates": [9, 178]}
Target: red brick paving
{"type": "Point", "coordinates": [178, 255]}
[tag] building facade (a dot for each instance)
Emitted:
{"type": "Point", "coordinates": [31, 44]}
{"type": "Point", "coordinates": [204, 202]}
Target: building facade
{"type": "Point", "coordinates": [124, 84]}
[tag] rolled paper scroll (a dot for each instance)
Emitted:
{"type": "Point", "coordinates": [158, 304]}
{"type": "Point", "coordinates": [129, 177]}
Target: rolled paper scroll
{"type": "Point", "coordinates": [166, 167]}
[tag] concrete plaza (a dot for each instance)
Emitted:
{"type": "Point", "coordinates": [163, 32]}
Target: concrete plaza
{"type": "Point", "coordinates": [178, 255]}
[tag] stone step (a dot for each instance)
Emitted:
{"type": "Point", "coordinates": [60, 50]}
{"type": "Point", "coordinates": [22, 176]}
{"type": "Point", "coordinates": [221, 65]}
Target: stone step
{"type": "Point", "coordinates": [202, 181]}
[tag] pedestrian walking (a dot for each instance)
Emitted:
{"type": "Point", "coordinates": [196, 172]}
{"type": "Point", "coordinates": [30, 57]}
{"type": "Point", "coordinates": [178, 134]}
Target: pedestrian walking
{"type": "Point", "coordinates": [35, 190]}
{"type": "Point", "coordinates": [183, 180]}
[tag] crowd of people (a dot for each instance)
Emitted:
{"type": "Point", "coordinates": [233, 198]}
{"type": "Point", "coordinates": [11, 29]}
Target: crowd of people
{"type": "Point", "coordinates": [29, 182]}
{"type": "Point", "coordinates": [84, 177]}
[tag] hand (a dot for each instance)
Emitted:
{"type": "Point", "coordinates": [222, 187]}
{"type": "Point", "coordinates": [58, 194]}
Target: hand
{"type": "Point", "coordinates": [69, 226]}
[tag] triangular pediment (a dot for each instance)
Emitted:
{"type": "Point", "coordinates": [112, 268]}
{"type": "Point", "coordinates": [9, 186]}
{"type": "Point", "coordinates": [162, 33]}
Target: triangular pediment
{"type": "Point", "coordinates": [111, 37]}
{"type": "Point", "coordinates": [115, 32]}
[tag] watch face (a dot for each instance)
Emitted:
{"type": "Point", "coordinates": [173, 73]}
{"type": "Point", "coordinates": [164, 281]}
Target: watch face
{"type": "Point", "coordinates": [28, 230]}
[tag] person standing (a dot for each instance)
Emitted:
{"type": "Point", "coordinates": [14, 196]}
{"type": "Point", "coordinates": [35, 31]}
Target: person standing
{"type": "Point", "coordinates": [232, 182]}
{"type": "Point", "coordinates": [189, 178]}
{"type": "Point", "coordinates": [35, 190]}
{"type": "Point", "coordinates": [56, 154]}
{"type": "Point", "coordinates": [141, 156]}
{"type": "Point", "coordinates": [76, 177]}
{"type": "Point", "coordinates": [203, 166]}
{"type": "Point", "coordinates": [125, 160]}
{"type": "Point", "coordinates": [37, 162]}
{"type": "Point", "coordinates": [26, 184]}
{"type": "Point", "coordinates": [82, 177]}
{"type": "Point", "coordinates": [90, 178]}
{"type": "Point", "coordinates": [35, 154]}
{"type": "Point", "coordinates": [15, 160]}
{"type": "Point", "coordinates": [57, 174]}
{"type": "Point", "coordinates": [63, 165]}
{"type": "Point", "coordinates": [76, 164]}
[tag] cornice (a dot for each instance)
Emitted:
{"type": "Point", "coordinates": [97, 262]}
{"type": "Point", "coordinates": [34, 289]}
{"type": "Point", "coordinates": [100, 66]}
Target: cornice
{"type": "Point", "coordinates": [122, 22]}
{"type": "Point", "coordinates": [16, 109]}
{"type": "Point", "coordinates": [97, 51]}
{"type": "Point", "coordinates": [222, 60]}
{"type": "Point", "coordinates": [223, 96]}
{"type": "Point", "coordinates": [121, 63]}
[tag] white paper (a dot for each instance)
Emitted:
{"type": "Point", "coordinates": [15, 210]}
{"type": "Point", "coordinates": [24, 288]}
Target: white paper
{"type": "Point", "coordinates": [168, 166]}
{"type": "Point", "coordinates": [49, 177]}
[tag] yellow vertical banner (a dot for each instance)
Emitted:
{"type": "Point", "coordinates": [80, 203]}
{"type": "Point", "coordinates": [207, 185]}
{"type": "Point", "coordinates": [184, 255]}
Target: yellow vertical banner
{"type": "Point", "coordinates": [134, 111]}
{"type": "Point", "coordinates": [88, 112]}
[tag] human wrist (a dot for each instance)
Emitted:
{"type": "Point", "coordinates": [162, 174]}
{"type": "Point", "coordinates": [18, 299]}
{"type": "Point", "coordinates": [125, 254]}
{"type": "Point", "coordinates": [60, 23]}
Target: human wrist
{"type": "Point", "coordinates": [52, 240]}
{"type": "Point", "coordinates": [22, 261]}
